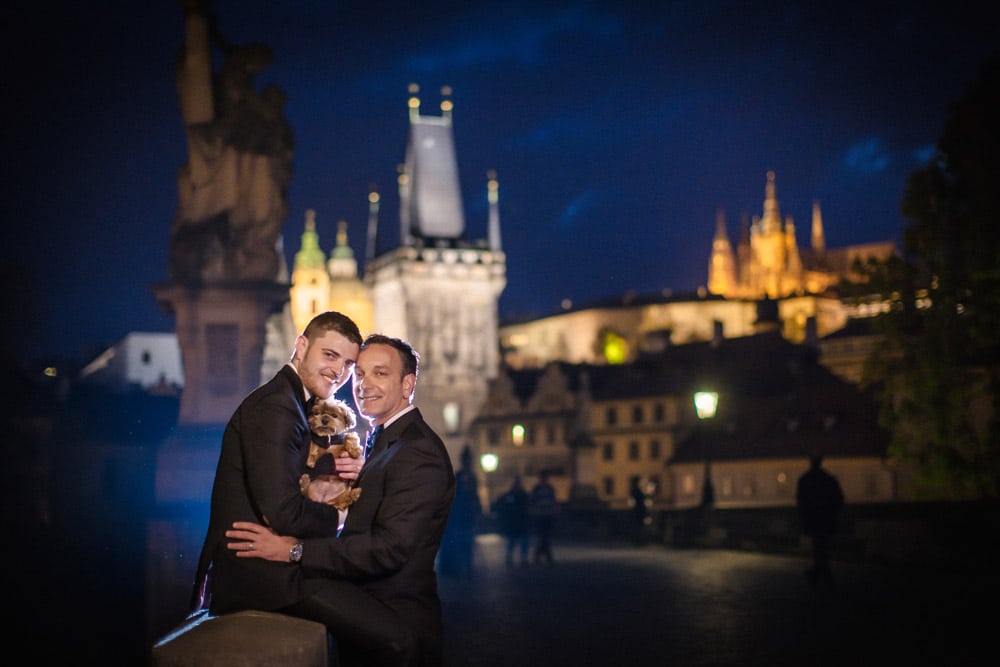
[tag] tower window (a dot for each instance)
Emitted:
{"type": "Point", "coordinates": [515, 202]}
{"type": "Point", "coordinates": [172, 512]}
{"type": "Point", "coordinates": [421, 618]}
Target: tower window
{"type": "Point", "coordinates": [452, 414]}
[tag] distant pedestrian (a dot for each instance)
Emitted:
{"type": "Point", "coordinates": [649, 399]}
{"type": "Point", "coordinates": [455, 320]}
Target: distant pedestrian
{"type": "Point", "coordinates": [641, 520]}
{"type": "Point", "coordinates": [457, 555]}
{"type": "Point", "coordinates": [543, 511]}
{"type": "Point", "coordinates": [819, 499]}
{"type": "Point", "coordinates": [512, 517]}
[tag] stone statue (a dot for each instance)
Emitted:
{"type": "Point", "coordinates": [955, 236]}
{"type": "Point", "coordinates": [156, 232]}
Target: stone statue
{"type": "Point", "coordinates": [233, 192]}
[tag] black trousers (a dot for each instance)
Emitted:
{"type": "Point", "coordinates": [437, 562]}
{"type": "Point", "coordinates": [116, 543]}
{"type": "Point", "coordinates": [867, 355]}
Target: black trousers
{"type": "Point", "coordinates": [366, 631]}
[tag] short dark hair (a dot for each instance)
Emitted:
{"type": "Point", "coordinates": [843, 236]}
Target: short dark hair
{"type": "Point", "coordinates": [331, 320]}
{"type": "Point", "coordinates": [409, 356]}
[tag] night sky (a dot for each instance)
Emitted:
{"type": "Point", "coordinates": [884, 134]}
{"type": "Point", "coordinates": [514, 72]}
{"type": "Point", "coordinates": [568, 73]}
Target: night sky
{"type": "Point", "coordinates": [616, 130]}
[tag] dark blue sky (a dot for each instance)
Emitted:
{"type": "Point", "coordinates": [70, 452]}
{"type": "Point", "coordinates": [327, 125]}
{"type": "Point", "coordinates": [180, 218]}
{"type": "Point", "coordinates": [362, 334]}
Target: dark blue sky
{"type": "Point", "coordinates": [616, 130]}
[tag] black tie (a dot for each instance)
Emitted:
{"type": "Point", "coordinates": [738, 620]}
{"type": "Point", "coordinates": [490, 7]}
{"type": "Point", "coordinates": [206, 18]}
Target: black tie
{"type": "Point", "coordinates": [370, 440]}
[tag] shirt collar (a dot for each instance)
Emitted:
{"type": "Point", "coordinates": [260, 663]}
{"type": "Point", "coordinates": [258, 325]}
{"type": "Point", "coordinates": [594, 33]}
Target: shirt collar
{"type": "Point", "coordinates": [395, 417]}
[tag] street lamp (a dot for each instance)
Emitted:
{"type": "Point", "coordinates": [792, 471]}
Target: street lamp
{"type": "Point", "coordinates": [489, 463]}
{"type": "Point", "coordinates": [705, 404]}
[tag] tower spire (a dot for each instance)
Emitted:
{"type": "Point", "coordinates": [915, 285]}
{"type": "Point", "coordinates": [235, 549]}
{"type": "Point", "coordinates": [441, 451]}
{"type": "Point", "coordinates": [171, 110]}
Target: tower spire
{"type": "Point", "coordinates": [310, 255]}
{"type": "Point", "coordinates": [446, 104]}
{"type": "Point", "coordinates": [372, 225]}
{"type": "Point", "coordinates": [310, 291]}
{"type": "Point", "coordinates": [493, 195]}
{"type": "Point", "coordinates": [771, 220]}
{"type": "Point", "coordinates": [722, 264]}
{"type": "Point", "coordinates": [818, 238]}
{"type": "Point", "coordinates": [342, 263]}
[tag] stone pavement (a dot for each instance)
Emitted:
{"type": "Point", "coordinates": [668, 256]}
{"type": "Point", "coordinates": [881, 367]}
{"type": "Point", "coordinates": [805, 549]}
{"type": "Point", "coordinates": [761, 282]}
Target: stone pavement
{"type": "Point", "coordinates": [618, 605]}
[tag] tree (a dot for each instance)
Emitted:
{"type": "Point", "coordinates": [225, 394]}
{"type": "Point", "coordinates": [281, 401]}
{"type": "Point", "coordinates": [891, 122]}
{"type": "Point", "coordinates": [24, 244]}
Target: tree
{"type": "Point", "coordinates": [936, 371]}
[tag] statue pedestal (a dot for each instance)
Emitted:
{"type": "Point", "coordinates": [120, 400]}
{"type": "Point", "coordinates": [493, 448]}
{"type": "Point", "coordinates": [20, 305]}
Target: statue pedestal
{"type": "Point", "coordinates": [221, 331]}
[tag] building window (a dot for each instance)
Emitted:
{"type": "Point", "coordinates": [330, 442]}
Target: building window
{"type": "Point", "coordinates": [147, 358]}
{"type": "Point", "coordinates": [608, 451]}
{"type": "Point", "coordinates": [727, 486]}
{"type": "Point", "coordinates": [609, 486]}
{"type": "Point", "coordinates": [633, 450]}
{"type": "Point", "coordinates": [654, 450]}
{"type": "Point", "coordinates": [517, 434]}
{"type": "Point", "coordinates": [493, 435]}
{"type": "Point", "coordinates": [452, 414]}
{"type": "Point", "coordinates": [613, 347]}
{"type": "Point", "coordinates": [659, 413]}
{"type": "Point", "coordinates": [550, 434]}
{"type": "Point", "coordinates": [611, 415]}
{"type": "Point", "coordinates": [654, 485]}
{"type": "Point", "coordinates": [529, 434]}
{"type": "Point", "coordinates": [687, 485]}
{"type": "Point", "coordinates": [637, 414]}
{"type": "Point", "coordinates": [784, 488]}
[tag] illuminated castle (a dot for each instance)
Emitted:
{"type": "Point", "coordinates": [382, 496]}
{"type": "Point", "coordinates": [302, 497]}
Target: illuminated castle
{"type": "Point", "coordinates": [768, 262]}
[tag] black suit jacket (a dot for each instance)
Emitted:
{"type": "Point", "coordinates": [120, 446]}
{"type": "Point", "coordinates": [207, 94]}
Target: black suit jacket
{"type": "Point", "coordinates": [394, 529]}
{"type": "Point", "coordinates": [264, 448]}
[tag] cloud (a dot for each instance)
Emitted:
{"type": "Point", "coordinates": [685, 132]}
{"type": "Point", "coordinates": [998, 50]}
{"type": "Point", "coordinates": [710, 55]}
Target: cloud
{"type": "Point", "coordinates": [868, 156]}
{"type": "Point", "coordinates": [525, 37]}
{"type": "Point", "coordinates": [575, 209]}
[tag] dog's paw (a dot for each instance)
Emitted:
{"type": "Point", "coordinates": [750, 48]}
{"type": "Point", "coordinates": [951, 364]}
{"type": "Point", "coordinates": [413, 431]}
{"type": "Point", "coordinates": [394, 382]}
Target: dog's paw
{"type": "Point", "coordinates": [346, 499]}
{"type": "Point", "coordinates": [353, 447]}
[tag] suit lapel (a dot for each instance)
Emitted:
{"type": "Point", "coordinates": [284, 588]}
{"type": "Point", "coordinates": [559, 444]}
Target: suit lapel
{"type": "Point", "coordinates": [390, 436]}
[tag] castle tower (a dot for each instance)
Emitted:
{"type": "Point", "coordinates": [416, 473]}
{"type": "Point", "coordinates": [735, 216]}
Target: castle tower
{"type": "Point", "coordinates": [768, 243]}
{"type": "Point", "coordinates": [438, 290]}
{"type": "Point", "coordinates": [792, 282]}
{"type": "Point", "coordinates": [347, 293]}
{"type": "Point", "coordinates": [319, 285]}
{"type": "Point", "coordinates": [310, 291]}
{"type": "Point", "coordinates": [722, 265]}
{"type": "Point", "coordinates": [818, 237]}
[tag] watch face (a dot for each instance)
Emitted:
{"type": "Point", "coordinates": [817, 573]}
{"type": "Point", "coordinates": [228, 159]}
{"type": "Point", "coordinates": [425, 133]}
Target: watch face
{"type": "Point", "coordinates": [295, 555]}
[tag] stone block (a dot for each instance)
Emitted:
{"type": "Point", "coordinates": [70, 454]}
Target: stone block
{"type": "Point", "coordinates": [243, 639]}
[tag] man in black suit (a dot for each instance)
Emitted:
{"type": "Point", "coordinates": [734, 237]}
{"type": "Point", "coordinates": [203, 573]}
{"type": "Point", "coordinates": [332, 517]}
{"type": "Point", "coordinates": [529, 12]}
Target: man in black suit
{"type": "Point", "coordinates": [374, 587]}
{"type": "Point", "coordinates": [264, 448]}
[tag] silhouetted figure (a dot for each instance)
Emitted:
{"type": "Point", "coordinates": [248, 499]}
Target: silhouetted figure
{"type": "Point", "coordinates": [457, 555]}
{"type": "Point", "coordinates": [543, 510]}
{"type": "Point", "coordinates": [819, 500]}
{"type": "Point", "coordinates": [639, 502]}
{"type": "Point", "coordinates": [512, 516]}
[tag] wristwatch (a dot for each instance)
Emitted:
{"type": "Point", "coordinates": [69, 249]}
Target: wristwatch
{"type": "Point", "coordinates": [295, 553]}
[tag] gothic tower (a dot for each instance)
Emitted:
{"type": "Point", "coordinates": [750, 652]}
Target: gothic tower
{"type": "Point", "coordinates": [437, 289]}
{"type": "Point", "coordinates": [722, 265]}
{"type": "Point", "coordinates": [310, 291]}
{"type": "Point", "coordinates": [767, 262]}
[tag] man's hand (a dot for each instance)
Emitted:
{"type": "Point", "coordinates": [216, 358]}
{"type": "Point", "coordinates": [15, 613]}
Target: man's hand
{"type": "Point", "coordinates": [348, 467]}
{"type": "Point", "coordinates": [252, 540]}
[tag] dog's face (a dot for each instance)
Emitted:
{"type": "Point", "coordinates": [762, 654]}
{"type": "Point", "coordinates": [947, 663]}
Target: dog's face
{"type": "Point", "coordinates": [331, 417]}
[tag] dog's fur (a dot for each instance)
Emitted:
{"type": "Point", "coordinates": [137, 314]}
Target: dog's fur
{"type": "Point", "coordinates": [331, 422]}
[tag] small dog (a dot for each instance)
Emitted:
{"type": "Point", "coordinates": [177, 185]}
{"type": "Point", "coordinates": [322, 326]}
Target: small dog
{"type": "Point", "coordinates": [331, 422]}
